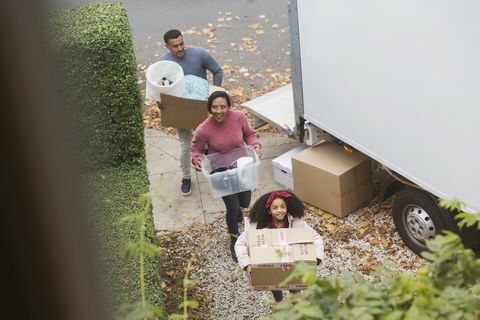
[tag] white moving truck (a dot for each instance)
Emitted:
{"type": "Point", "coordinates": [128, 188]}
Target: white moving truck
{"type": "Point", "coordinates": [399, 81]}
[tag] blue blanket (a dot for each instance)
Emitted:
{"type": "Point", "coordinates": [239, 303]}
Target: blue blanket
{"type": "Point", "coordinates": [195, 88]}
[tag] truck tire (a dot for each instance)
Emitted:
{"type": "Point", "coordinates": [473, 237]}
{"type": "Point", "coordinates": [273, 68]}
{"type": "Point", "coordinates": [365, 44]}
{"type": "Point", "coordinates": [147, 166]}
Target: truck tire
{"type": "Point", "coordinates": [417, 218]}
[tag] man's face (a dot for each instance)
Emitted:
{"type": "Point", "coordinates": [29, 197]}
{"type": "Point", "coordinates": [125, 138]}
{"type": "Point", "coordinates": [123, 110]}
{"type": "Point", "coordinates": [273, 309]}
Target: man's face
{"type": "Point", "coordinates": [176, 47]}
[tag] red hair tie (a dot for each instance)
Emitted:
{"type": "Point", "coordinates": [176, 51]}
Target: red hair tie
{"type": "Point", "coordinates": [275, 195]}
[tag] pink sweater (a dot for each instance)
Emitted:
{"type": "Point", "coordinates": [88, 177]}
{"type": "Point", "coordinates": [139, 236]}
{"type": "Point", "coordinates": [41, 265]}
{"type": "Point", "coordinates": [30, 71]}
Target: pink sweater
{"type": "Point", "coordinates": [223, 136]}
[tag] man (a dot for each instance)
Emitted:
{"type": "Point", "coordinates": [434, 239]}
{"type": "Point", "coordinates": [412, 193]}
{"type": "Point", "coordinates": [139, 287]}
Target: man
{"type": "Point", "coordinates": [195, 61]}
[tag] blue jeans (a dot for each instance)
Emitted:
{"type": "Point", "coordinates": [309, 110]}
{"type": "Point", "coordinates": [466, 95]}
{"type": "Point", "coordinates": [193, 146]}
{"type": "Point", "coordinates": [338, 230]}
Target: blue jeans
{"type": "Point", "coordinates": [233, 203]}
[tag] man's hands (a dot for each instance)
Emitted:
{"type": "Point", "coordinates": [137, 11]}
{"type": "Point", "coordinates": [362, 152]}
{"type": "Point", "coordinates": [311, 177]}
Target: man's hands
{"type": "Point", "coordinates": [160, 105]}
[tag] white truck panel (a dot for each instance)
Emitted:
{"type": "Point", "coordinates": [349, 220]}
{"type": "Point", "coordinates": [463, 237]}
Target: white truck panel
{"type": "Point", "coordinates": [400, 81]}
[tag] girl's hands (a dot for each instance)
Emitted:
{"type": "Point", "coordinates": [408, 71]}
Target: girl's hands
{"type": "Point", "coordinates": [285, 268]}
{"type": "Point", "coordinates": [249, 270]}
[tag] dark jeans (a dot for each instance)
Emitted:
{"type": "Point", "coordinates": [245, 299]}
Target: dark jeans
{"type": "Point", "coordinates": [233, 203]}
{"type": "Point", "coordinates": [278, 295]}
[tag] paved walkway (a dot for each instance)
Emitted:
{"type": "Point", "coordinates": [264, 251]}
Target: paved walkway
{"type": "Point", "coordinates": [171, 210]}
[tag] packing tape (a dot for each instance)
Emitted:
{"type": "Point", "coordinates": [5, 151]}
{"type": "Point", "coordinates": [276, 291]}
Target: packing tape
{"type": "Point", "coordinates": [282, 237]}
{"type": "Point", "coordinates": [284, 251]}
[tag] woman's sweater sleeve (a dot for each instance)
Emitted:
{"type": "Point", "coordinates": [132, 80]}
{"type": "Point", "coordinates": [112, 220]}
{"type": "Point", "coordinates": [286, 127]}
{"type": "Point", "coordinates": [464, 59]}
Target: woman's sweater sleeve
{"type": "Point", "coordinates": [249, 135]}
{"type": "Point", "coordinates": [198, 145]}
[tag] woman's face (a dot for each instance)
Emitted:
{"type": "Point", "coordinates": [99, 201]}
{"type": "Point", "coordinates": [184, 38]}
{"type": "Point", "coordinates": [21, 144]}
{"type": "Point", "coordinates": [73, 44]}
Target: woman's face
{"type": "Point", "coordinates": [278, 209]}
{"type": "Point", "coordinates": [219, 109]}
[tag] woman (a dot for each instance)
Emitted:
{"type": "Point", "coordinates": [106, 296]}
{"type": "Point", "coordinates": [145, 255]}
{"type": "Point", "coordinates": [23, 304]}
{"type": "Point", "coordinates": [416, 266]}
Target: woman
{"type": "Point", "coordinates": [223, 131]}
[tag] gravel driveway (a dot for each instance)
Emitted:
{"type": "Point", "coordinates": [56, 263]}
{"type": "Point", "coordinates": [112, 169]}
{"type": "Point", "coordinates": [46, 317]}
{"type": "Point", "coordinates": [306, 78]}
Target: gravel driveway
{"type": "Point", "coordinates": [359, 242]}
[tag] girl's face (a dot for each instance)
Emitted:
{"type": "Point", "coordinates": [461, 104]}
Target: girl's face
{"type": "Point", "coordinates": [278, 209]}
{"type": "Point", "coordinates": [219, 109]}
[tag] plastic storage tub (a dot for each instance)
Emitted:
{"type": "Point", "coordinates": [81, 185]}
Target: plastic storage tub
{"type": "Point", "coordinates": [231, 172]}
{"type": "Point", "coordinates": [164, 69]}
{"type": "Point", "coordinates": [282, 166]}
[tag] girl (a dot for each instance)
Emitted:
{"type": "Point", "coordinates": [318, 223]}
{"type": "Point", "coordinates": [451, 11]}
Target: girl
{"type": "Point", "coordinates": [278, 209]}
{"type": "Point", "coordinates": [225, 130]}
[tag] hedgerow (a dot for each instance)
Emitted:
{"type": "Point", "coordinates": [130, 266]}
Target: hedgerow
{"type": "Point", "coordinates": [93, 44]}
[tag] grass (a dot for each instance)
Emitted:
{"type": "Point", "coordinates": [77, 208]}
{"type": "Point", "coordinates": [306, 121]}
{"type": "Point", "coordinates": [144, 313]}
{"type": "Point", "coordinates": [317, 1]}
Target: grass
{"type": "Point", "coordinates": [114, 194]}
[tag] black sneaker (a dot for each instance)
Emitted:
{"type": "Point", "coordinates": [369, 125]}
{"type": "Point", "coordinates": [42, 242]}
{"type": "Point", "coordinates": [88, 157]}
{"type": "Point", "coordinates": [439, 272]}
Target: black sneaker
{"type": "Point", "coordinates": [185, 188]}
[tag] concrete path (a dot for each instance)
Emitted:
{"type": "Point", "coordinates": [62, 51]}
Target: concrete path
{"type": "Point", "coordinates": [171, 210]}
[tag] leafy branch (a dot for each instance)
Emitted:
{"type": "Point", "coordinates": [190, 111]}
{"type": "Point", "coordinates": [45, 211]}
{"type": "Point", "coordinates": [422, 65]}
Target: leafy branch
{"type": "Point", "coordinates": [140, 249]}
{"type": "Point", "coordinates": [447, 288]}
{"type": "Point", "coordinates": [465, 219]}
{"type": "Point", "coordinates": [187, 303]}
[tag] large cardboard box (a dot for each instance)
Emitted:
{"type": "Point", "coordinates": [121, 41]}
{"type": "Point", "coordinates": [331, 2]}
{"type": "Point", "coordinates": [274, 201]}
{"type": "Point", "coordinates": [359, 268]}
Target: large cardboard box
{"type": "Point", "coordinates": [273, 255]}
{"type": "Point", "coordinates": [282, 166]}
{"type": "Point", "coordinates": [184, 113]}
{"type": "Point", "coordinates": [329, 178]}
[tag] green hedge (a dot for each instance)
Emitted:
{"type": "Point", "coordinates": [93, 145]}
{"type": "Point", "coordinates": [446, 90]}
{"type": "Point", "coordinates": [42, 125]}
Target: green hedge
{"type": "Point", "coordinates": [114, 194]}
{"type": "Point", "coordinates": [94, 44]}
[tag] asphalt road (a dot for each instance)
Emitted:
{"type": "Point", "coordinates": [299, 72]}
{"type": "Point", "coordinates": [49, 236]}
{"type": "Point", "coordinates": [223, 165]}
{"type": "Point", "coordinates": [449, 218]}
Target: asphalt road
{"type": "Point", "coordinates": [263, 21]}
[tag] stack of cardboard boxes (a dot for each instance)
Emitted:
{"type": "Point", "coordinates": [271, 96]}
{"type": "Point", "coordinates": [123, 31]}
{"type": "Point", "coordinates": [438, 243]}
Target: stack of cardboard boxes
{"type": "Point", "coordinates": [327, 177]}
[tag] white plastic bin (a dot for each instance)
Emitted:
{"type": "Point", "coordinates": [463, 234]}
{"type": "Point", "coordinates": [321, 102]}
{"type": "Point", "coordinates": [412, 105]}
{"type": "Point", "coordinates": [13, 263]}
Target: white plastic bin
{"type": "Point", "coordinates": [282, 166]}
{"type": "Point", "coordinates": [231, 172]}
{"type": "Point", "coordinates": [164, 69]}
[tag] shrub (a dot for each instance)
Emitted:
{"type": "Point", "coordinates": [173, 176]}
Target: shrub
{"type": "Point", "coordinates": [94, 46]}
{"type": "Point", "coordinates": [447, 288]}
{"type": "Point", "coordinates": [114, 193]}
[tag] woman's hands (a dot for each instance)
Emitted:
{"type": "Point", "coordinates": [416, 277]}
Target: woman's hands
{"type": "Point", "coordinates": [259, 152]}
{"type": "Point", "coordinates": [197, 166]}
{"type": "Point", "coordinates": [160, 105]}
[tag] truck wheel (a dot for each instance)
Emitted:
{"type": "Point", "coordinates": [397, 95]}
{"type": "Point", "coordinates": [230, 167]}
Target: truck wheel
{"type": "Point", "coordinates": [417, 218]}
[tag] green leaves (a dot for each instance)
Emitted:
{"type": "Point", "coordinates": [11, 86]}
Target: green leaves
{"type": "Point", "coordinates": [140, 249]}
{"type": "Point", "coordinates": [137, 311]}
{"type": "Point", "coordinates": [465, 219]}
{"type": "Point", "coordinates": [468, 219]}
{"type": "Point", "coordinates": [130, 249]}
{"type": "Point", "coordinates": [94, 48]}
{"type": "Point", "coordinates": [305, 271]}
{"type": "Point", "coordinates": [447, 288]}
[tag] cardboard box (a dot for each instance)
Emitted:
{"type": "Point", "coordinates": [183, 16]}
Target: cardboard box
{"type": "Point", "coordinates": [272, 251]}
{"type": "Point", "coordinates": [329, 178]}
{"type": "Point", "coordinates": [282, 166]}
{"type": "Point", "coordinates": [184, 113]}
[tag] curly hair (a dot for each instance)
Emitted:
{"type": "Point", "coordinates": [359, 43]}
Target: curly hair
{"type": "Point", "coordinates": [259, 214]}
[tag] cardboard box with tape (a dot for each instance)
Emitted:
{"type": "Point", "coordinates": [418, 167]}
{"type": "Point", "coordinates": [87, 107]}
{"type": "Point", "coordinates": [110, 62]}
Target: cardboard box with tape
{"type": "Point", "coordinates": [331, 179]}
{"type": "Point", "coordinates": [273, 251]}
